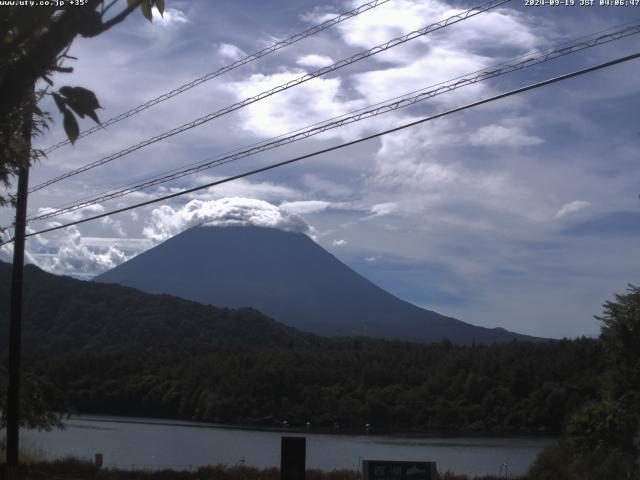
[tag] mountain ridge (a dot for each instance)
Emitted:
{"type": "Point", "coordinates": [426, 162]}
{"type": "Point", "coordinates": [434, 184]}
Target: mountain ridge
{"type": "Point", "coordinates": [293, 280]}
{"type": "Point", "coordinates": [62, 314]}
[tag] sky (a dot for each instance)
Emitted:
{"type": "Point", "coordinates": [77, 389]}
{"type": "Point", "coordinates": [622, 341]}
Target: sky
{"type": "Point", "coordinates": [522, 213]}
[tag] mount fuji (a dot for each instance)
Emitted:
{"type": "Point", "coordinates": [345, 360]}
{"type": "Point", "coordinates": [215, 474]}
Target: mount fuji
{"type": "Point", "coordinates": [293, 280]}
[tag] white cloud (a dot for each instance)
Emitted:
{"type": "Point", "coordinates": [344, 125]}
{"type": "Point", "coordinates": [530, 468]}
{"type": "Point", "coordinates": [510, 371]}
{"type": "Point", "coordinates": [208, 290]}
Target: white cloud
{"type": "Point", "coordinates": [572, 207]}
{"type": "Point", "coordinates": [166, 221]}
{"type": "Point", "coordinates": [74, 257]}
{"type": "Point", "coordinates": [380, 209]}
{"type": "Point", "coordinates": [499, 26]}
{"type": "Point", "coordinates": [308, 103]}
{"type": "Point", "coordinates": [418, 64]}
{"type": "Point", "coordinates": [67, 252]}
{"type": "Point", "coordinates": [74, 215]}
{"type": "Point", "coordinates": [503, 26]}
{"type": "Point", "coordinates": [339, 243]}
{"type": "Point", "coordinates": [424, 69]}
{"type": "Point", "coordinates": [6, 251]}
{"type": "Point", "coordinates": [324, 185]}
{"type": "Point", "coordinates": [501, 136]}
{"type": "Point", "coordinates": [391, 20]}
{"type": "Point", "coordinates": [231, 52]}
{"type": "Point", "coordinates": [411, 158]}
{"type": "Point", "coordinates": [423, 174]}
{"type": "Point", "coordinates": [315, 61]}
{"type": "Point", "coordinates": [305, 207]}
{"type": "Point", "coordinates": [370, 259]}
{"type": "Point", "coordinates": [125, 244]}
{"type": "Point", "coordinates": [243, 187]}
{"type": "Point", "coordinates": [170, 17]}
{"type": "Point", "coordinates": [116, 225]}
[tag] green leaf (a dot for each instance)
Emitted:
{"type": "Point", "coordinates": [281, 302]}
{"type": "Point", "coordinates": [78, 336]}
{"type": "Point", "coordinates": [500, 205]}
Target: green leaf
{"type": "Point", "coordinates": [71, 126]}
{"type": "Point", "coordinates": [145, 6]}
{"type": "Point", "coordinates": [60, 102]}
{"type": "Point", "coordinates": [82, 95]}
{"type": "Point", "coordinates": [82, 101]}
{"type": "Point", "coordinates": [160, 7]}
{"type": "Point", "coordinates": [131, 3]}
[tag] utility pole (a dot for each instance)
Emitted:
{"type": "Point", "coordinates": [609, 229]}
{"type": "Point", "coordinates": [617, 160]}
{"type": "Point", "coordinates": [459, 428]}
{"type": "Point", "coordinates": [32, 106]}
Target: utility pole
{"type": "Point", "coordinates": [15, 318]}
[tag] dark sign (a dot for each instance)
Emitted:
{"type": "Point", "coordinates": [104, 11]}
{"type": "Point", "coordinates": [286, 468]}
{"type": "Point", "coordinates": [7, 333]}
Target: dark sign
{"type": "Point", "coordinates": [293, 458]}
{"type": "Point", "coordinates": [392, 470]}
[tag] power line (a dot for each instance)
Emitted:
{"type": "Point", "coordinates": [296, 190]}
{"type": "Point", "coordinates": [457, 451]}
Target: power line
{"type": "Point", "coordinates": [343, 145]}
{"type": "Point", "coordinates": [238, 63]}
{"type": "Point", "coordinates": [527, 61]}
{"type": "Point", "coordinates": [491, 72]}
{"type": "Point", "coordinates": [597, 38]}
{"type": "Point", "coordinates": [305, 78]}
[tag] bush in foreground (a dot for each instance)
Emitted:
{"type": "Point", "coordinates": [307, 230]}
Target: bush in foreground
{"type": "Point", "coordinates": [602, 440]}
{"type": "Point", "coordinates": [74, 469]}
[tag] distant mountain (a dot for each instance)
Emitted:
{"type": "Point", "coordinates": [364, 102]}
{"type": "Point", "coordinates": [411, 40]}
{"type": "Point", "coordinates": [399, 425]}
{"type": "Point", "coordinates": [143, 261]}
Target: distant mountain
{"type": "Point", "coordinates": [62, 315]}
{"type": "Point", "coordinates": [292, 279]}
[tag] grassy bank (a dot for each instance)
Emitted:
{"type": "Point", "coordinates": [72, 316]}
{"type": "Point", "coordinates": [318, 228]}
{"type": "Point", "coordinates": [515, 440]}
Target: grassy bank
{"type": "Point", "coordinates": [73, 469]}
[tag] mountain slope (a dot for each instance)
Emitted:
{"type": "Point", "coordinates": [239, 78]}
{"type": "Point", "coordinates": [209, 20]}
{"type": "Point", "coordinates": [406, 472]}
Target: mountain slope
{"type": "Point", "coordinates": [62, 314]}
{"type": "Point", "coordinates": [290, 278]}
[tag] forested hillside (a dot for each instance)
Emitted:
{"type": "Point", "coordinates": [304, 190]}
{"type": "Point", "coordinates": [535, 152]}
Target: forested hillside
{"type": "Point", "coordinates": [116, 350]}
{"type": "Point", "coordinates": [390, 385]}
{"type": "Point", "coordinates": [62, 314]}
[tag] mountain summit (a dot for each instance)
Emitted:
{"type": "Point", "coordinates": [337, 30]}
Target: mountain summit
{"type": "Point", "coordinates": [290, 278]}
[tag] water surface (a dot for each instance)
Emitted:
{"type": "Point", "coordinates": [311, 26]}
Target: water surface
{"type": "Point", "coordinates": [154, 444]}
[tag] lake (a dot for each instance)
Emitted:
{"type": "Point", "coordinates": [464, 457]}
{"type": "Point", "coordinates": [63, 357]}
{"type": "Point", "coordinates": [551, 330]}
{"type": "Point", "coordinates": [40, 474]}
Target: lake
{"type": "Point", "coordinates": [154, 444]}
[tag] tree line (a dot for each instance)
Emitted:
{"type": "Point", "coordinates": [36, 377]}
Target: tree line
{"type": "Point", "coordinates": [516, 387]}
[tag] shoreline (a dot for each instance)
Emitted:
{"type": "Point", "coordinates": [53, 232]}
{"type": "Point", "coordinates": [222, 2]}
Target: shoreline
{"type": "Point", "coordinates": [93, 417]}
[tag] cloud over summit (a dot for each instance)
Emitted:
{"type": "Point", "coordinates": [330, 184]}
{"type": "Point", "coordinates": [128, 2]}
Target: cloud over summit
{"type": "Point", "coordinates": [167, 221]}
{"type": "Point", "coordinates": [68, 252]}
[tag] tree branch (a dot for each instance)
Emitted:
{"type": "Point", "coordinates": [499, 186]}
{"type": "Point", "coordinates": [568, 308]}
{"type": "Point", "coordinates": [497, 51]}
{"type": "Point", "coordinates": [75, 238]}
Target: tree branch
{"type": "Point", "coordinates": [106, 9]}
{"type": "Point", "coordinates": [116, 19]}
{"type": "Point", "coordinates": [44, 52]}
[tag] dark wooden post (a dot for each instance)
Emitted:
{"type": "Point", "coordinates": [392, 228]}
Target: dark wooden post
{"type": "Point", "coordinates": [293, 451]}
{"type": "Point", "coordinates": [15, 318]}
